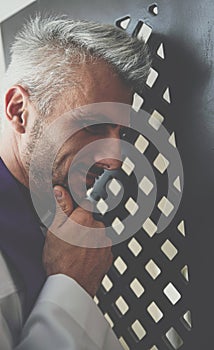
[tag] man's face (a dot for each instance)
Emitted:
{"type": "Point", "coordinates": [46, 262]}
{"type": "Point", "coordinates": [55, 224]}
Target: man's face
{"type": "Point", "coordinates": [78, 155]}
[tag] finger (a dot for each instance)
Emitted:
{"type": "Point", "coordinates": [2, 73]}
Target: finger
{"type": "Point", "coordinates": [86, 205]}
{"type": "Point", "coordinates": [83, 213]}
{"type": "Point", "coordinates": [64, 205]}
{"type": "Point", "coordinates": [86, 209]}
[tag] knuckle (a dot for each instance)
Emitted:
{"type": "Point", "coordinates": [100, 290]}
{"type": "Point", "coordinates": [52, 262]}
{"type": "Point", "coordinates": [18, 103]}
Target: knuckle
{"type": "Point", "coordinates": [83, 216]}
{"type": "Point", "coordinates": [63, 206]}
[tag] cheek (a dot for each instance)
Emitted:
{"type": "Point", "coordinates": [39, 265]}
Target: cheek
{"type": "Point", "coordinates": [67, 152]}
{"type": "Point", "coordinates": [72, 150]}
{"type": "Point", "coordinates": [75, 144]}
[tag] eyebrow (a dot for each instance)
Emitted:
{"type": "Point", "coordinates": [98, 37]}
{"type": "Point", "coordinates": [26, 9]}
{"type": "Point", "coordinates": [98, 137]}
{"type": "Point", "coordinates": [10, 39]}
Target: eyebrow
{"type": "Point", "coordinates": [99, 117]}
{"type": "Point", "coordinates": [103, 118]}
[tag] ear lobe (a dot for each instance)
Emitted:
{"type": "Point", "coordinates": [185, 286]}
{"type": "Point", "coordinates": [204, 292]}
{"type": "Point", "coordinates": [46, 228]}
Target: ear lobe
{"type": "Point", "coordinates": [15, 101]}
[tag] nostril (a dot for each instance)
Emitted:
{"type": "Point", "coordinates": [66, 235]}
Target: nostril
{"type": "Point", "coordinates": [104, 164]}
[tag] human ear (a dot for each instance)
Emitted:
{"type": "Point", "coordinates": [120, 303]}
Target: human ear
{"type": "Point", "coordinates": [15, 108]}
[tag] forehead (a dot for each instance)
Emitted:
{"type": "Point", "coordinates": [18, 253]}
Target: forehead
{"type": "Point", "coordinates": [95, 82]}
{"type": "Point", "coordinates": [100, 83]}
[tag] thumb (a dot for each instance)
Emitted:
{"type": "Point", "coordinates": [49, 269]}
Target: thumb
{"type": "Point", "coordinates": [64, 205]}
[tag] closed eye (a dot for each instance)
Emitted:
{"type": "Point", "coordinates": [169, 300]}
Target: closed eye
{"type": "Point", "coordinates": [95, 128]}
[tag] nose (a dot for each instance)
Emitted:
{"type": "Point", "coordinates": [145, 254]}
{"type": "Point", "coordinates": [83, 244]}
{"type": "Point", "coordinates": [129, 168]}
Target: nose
{"type": "Point", "coordinates": [109, 154]}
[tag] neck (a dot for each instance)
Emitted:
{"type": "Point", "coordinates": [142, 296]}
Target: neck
{"type": "Point", "coordinates": [9, 152]}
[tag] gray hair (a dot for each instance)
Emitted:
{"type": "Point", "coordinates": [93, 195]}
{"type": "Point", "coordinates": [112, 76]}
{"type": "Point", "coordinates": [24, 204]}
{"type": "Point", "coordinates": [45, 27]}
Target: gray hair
{"type": "Point", "coordinates": [45, 49]}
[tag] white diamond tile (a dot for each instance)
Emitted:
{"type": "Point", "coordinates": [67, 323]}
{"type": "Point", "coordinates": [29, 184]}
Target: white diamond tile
{"type": "Point", "coordinates": [124, 344]}
{"type": "Point", "coordinates": [155, 312]}
{"type": "Point", "coordinates": [109, 320]}
{"type": "Point", "coordinates": [172, 293]}
{"type": "Point", "coordinates": [169, 249]}
{"type": "Point", "coordinates": [141, 144]}
{"type": "Point", "coordinates": [174, 338]}
{"type": "Point", "coordinates": [153, 269]}
{"type": "Point", "coordinates": [102, 206]}
{"type": "Point", "coordinates": [144, 32]}
{"type": "Point", "coordinates": [134, 247]}
{"type": "Point", "coordinates": [137, 102]}
{"type": "Point", "coordinates": [128, 166]}
{"type": "Point", "coordinates": [165, 206]}
{"type": "Point", "coordinates": [161, 163]}
{"type": "Point", "coordinates": [122, 305]}
{"type": "Point", "coordinates": [96, 300]}
{"type": "Point", "coordinates": [146, 185]}
{"type": "Point", "coordinates": [152, 77]}
{"type": "Point", "coordinates": [114, 187]}
{"type": "Point", "coordinates": [131, 206]}
{"type": "Point", "coordinates": [156, 120]}
{"type": "Point", "coordinates": [138, 329]}
{"type": "Point", "coordinates": [120, 265]}
{"type": "Point", "coordinates": [118, 226]}
{"type": "Point", "coordinates": [137, 287]}
{"type": "Point", "coordinates": [150, 227]}
{"type": "Point", "coordinates": [107, 283]}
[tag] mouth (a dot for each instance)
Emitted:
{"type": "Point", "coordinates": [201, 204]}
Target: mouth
{"type": "Point", "coordinates": [80, 180]}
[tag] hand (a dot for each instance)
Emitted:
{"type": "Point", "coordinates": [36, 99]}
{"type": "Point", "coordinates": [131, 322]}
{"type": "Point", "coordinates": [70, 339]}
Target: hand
{"type": "Point", "coordinates": [87, 266]}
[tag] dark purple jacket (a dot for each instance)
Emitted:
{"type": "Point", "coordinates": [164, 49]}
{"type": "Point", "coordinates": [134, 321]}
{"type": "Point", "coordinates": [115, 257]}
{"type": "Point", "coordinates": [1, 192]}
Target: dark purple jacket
{"type": "Point", "coordinates": [21, 239]}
